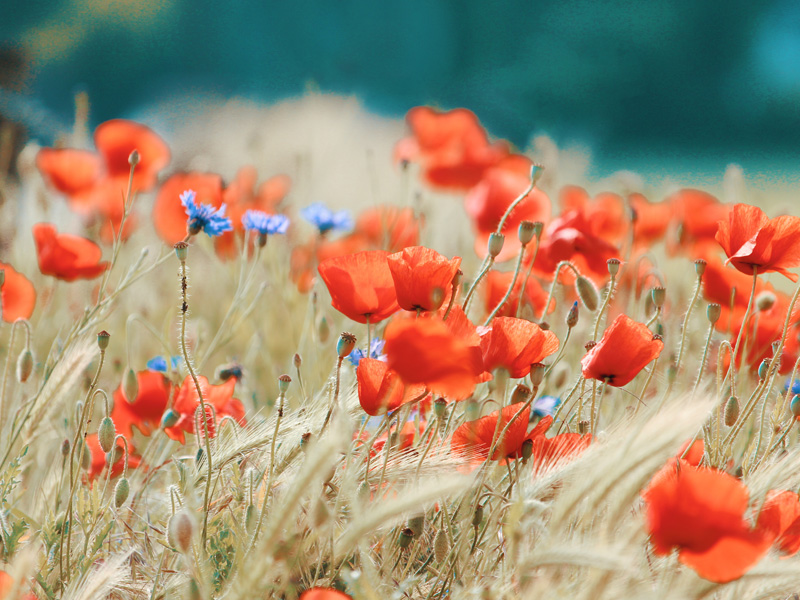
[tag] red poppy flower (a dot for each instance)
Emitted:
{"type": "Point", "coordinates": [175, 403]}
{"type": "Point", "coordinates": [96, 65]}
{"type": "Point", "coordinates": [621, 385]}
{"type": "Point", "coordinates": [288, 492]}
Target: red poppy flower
{"type": "Point", "coordinates": [698, 214]}
{"type": "Point", "coordinates": [650, 219]}
{"type": "Point", "coordinates": [240, 196]}
{"type": "Point", "coordinates": [7, 584]}
{"type": "Point", "coordinates": [625, 349]}
{"type": "Point", "coordinates": [474, 438]}
{"type": "Point", "coordinates": [606, 213]}
{"type": "Point", "coordinates": [547, 452]}
{"type": "Point", "coordinates": [319, 593]}
{"type": "Point", "coordinates": [426, 352]}
{"type": "Point", "coordinates": [751, 240]}
{"type": "Point", "coordinates": [452, 147]}
{"type": "Point", "coordinates": [17, 295]}
{"type": "Point", "coordinates": [515, 345]}
{"type": "Point", "coordinates": [389, 227]}
{"type": "Point", "coordinates": [146, 409]}
{"type": "Point", "coordinates": [67, 257]}
{"type": "Point", "coordinates": [418, 272]}
{"type": "Point", "coordinates": [99, 458]}
{"type": "Point", "coordinates": [488, 201]}
{"type": "Point", "coordinates": [405, 440]}
{"type": "Point", "coordinates": [694, 454]}
{"type": "Point", "coordinates": [380, 389]}
{"type": "Point", "coordinates": [169, 215]}
{"type": "Point", "coordinates": [497, 283]}
{"type": "Point", "coordinates": [780, 518]}
{"type": "Point", "coordinates": [721, 284]}
{"type": "Point", "coordinates": [305, 258]}
{"type": "Point", "coordinates": [466, 332]}
{"type": "Point", "coordinates": [700, 512]}
{"type": "Point", "coordinates": [361, 285]}
{"type": "Point", "coordinates": [218, 396]}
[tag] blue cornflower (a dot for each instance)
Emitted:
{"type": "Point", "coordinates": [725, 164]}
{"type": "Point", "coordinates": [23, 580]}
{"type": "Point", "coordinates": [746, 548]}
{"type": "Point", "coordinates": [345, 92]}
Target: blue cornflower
{"type": "Point", "coordinates": [159, 363]}
{"type": "Point", "coordinates": [546, 406]}
{"type": "Point", "coordinates": [264, 224]}
{"type": "Point", "coordinates": [795, 385]}
{"type": "Point", "coordinates": [204, 217]}
{"type": "Point", "coordinates": [325, 219]}
{"type": "Point", "coordinates": [375, 349]}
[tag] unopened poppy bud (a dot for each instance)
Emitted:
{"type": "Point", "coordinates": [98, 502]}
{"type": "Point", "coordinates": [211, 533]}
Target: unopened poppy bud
{"type": "Point", "coordinates": [437, 298]}
{"type": "Point", "coordinates": [457, 278]}
{"type": "Point", "coordinates": [583, 426]}
{"type": "Point", "coordinates": [477, 516]}
{"type": "Point", "coordinates": [65, 447]}
{"type": "Point", "coordinates": [298, 360]}
{"type": "Point", "coordinates": [713, 312]}
{"type": "Point", "coordinates": [572, 315]}
{"type": "Point", "coordinates": [198, 456]}
{"type": "Point", "coordinates": [113, 455]}
{"type": "Point", "coordinates": [86, 457]}
{"type": "Point", "coordinates": [587, 292]}
{"type": "Point", "coordinates": [102, 339]}
{"type": "Point", "coordinates": [440, 546]}
{"type": "Point", "coordinates": [130, 385]}
{"type": "Point", "coordinates": [250, 518]}
{"type": "Point", "coordinates": [521, 393]}
{"type": "Point", "coordinates": [133, 158]}
{"type": "Point", "coordinates": [658, 294]}
{"type": "Point", "coordinates": [180, 530]}
{"type": "Point", "coordinates": [121, 491]}
{"type": "Point", "coordinates": [406, 536]}
{"type": "Point", "coordinates": [700, 267]}
{"type": "Point", "coordinates": [659, 330]}
{"type": "Point", "coordinates": [439, 407]}
{"type": "Point", "coordinates": [323, 329]}
{"type": "Point", "coordinates": [347, 341]}
{"type": "Point", "coordinates": [527, 449]}
{"type": "Point", "coordinates": [794, 405]}
{"type": "Point", "coordinates": [496, 241]}
{"type": "Point", "coordinates": [416, 524]}
{"type": "Point", "coordinates": [613, 266]}
{"type": "Point", "coordinates": [525, 232]}
{"type": "Point", "coordinates": [169, 418]}
{"type": "Point", "coordinates": [24, 365]}
{"type": "Point", "coordinates": [283, 383]}
{"type": "Point", "coordinates": [537, 374]}
{"type": "Point", "coordinates": [181, 250]}
{"type": "Point", "coordinates": [763, 368]}
{"type": "Point", "coordinates": [765, 300]}
{"type": "Point", "coordinates": [731, 411]}
{"type": "Point", "coordinates": [106, 434]}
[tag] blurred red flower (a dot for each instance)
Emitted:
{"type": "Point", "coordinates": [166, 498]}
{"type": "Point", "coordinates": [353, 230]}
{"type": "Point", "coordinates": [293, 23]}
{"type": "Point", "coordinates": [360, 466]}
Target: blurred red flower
{"type": "Point", "coordinates": [780, 518]}
{"type": "Point", "coordinates": [218, 396]}
{"type": "Point", "coordinates": [146, 409]}
{"type": "Point", "coordinates": [17, 295]}
{"type": "Point", "coordinates": [473, 439]}
{"type": "Point", "coordinates": [388, 227]}
{"type": "Point", "coordinates": [67, 257]}
{"type": "Point", "coordinates": [497, 283]}
{"type": "Point", "coordinates": [169, 215]}
{"type": "Point", "coordinates": [697, 215]}
{"type": "Point", "coordinates": [319, 593]}
{"type": "Point", "coordinates": [515, 345]}
{"type": "Point", "coordinates": [380, 389]}
{"type": "Point", "coordinates": [418, 272]}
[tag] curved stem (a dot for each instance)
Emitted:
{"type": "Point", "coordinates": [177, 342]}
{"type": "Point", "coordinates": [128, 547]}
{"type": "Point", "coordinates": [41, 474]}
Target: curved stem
{"type": "Point", "coordinates": [510, 288]}
{"type": "Point", "coordinates": [603, 307]}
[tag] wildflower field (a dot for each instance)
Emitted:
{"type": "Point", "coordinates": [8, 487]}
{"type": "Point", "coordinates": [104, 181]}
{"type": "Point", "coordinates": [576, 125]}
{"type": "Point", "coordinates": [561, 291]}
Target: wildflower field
{"type": "Point", "coordinates": [485, 377]}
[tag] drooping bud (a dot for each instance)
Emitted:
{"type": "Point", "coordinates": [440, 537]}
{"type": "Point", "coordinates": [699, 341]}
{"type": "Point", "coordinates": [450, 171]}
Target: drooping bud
{"type": "Point", "coordinates": [406, 536]}
{"type": "Point", "coordinates": [130, 385]}
{"type": "Point", "coordinates": [731, 411]}
{"type": "Point", "coordinates": [527, 449]}
{"type": "Point", "coordinates": [587, 292]}
{"type": "Point", "coordinates": [283, 383]}
{"type": "Point", "coordinates": [440, 546]}
{"type": "Point", "coordinates": [765, 300]}
{"type": "Point", "coordinates": [347, 341]}
{"type": "Point", "coordinates": [102, 339]}
{"type": "Point", "coordinates": [496, 241]}
{"type": "Point", "coordinates": [659, 294]}
{"type": "Point", "coordinates": [700, 267]}
{"type": "Point", "coordinates": [763, 368]}
{"type": "Point", "coordinates": [477, 516]}
{"type": "Point", "coordinates": [298, 360]}
{"type": "Point", "coordinates": [572, 315]}
{"type": "Point", "coordinates": [521, 393]}
{"type": "Point", "coordinates": [24, 365]}
{"type": "Point", "coordinates": [169, 418]}
{"type": "Point", "coordinates": [65, 447]}
{"type": "Point", "coordinates": [416, 524]}
{"type": "Point", "coordinates": [106, 434]}
{"type": "Point", "coordinates": [537, 374]}
{"type": "Point", "coordinates": [525, 231]}
{"type": "Point", "coordinates": [181, 251]}
{"type": "Point", "coordinates": [121, 491]}
{"type": "Point", "coordinates": [713, 311]}
{"type": "Point", "coordinates": [86, 457]}
{"type": "Point", "coordinates": [250, 518]}
{"type": "Point", "coordinates": [613, 266]}
{"type": "Point", "coordinates": [180, 530]}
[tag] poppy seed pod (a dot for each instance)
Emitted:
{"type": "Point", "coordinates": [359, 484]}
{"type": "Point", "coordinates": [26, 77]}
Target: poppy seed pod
{"type": "Point", "coordinates": [121, 491]}
{"type": "Point", "coordinates": [713, 312]}
{"type": "Point", "coordinates": [700, 267]}
{"type": "Point", "coordinates": [525, 232]}
{"type": "Point", "coordinates": [527, 449]}
{"type": "Point", "coordinates": [496, 241]}
{"type": "Point", "coordinates": [24, 365]}
{"type": "Point", "coordinates": [130, 385]}
{"type": "Point", "coordinates": [658, 294]}
{"type": "Point", "coordinates": [106, 434]}
{"type": "Point", "coordinates": [439, 407]}
{"type": "Point", "coordinates": [347, 341]}
{"type": "Point", "coordinates": [587, 292]}
{"type": "Point", "coordinates": [613, 266]}
{"type": "Point", "coordinates": [537, 374]}
{"type": "Point", "coordinates": [537, 171]}
{"type": "Point", "coordinates": [102, 339]}
{"type": "Point", "coordinates": [765, 300]}
{"type": "Point", "coordinates": [283, 383]}
{"type": "Point", "coordinates": [731, 411]}
{"type": "Point", "coordinates": [181, 251]}
{"type": "Point", "coordinates": [406, 536]}
{"type": "Point", "coordinates": [538, 227]}
{"type": "Point", "coordinates": [521, 393]}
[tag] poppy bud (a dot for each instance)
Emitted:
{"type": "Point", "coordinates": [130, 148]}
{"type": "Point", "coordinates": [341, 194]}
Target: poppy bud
{"type": "Point", "coordinates": [440, 546]}
{"type": "Point", "coordinates": [544, 326]}
{"type": "Point", "coordinates": [180, 530]}
{"type": "Point", "coordinates": [298, 360]}
{"type": "Point", "coordinates": [658, 294]}
{"type": "Point", "coordinates": [250, 518]}
{"type": "Point", "coordinates": [537, 374]}
{"type": "Point", "coordinates": [65, 447]}
{"type": "Point", "coordinates": [24, 365]}
{"type": "Point", "coordinates": [496, 241]}
{"type": "Point", "coordinates": [406, 536]}
{"type": "Point", "coordinates": [283, 383]}
{"type": "Point", "coordinates": [583, 426]}
{"type": "Point", "coordinates": [169, 418]}
{"type": "Point", "coordinates": [323, 330]}
{"type": "Point", "coordinates": [457, 278]}
{"type": "Point", "coordinates": [659, 330]}
{"type": "Point", "coordinates": [525, 231]}
{"type": "Point", "coordinates": [437, 298]}
{"type": "Point", "coordinates": [347, 341]}
{"type": "Point", "coordinates": [106, 434]}
{"type": "Point", "coordinates": [763, 368]}
{"type": "Point", "coordinates": [537, 171]}
{"type": "Point", "coordinates": [181, 251]}
{"type": "Point", "coordinates": [765, 300]}
{"type": "Point", "coordinates": [731, 411]}
{"type": "Point", "coordinates": [794, 406]}
{"type": "Point", "coordinates": [198, 456]}
{"type": "Point", "coordinates": [416, 524]}
{"type": "Point", "coordinates": [572, 315]}
{"type": "Point", "coordinates": [130, 385]}
{"type": "Point", "coordinates": [613, 266]}
{"type": "Point", "coordinates": [121, 491]}
{"type": "Point", "coordinates": [713, 312]}
{"type": "Point", "coordinates": [86, 457]}
{"type": "Point", "coordinates": [477, 516]}
{"type": "Point", "coordinates": [113, 456]}
{"type": "Point", "coordinates": [472, 409]}
{"type": "Point", "coordinates": [102, 339]}
{"type": "Point", "coordinates": [587, 292]}
{"type": "Point", "coordinates": [133, 158]}
{"type": "Point", "coordinates": [527, 449]}
{"type": "Point", "coordinates": [700, 267]}
{"type": "Point", "coordinates": [439, 407]}
{"type": "Point", "coordinates": [521, 393]}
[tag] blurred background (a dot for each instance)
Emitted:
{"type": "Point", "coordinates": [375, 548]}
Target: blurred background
{"type": "Point", "coordinates": [656, 87]}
